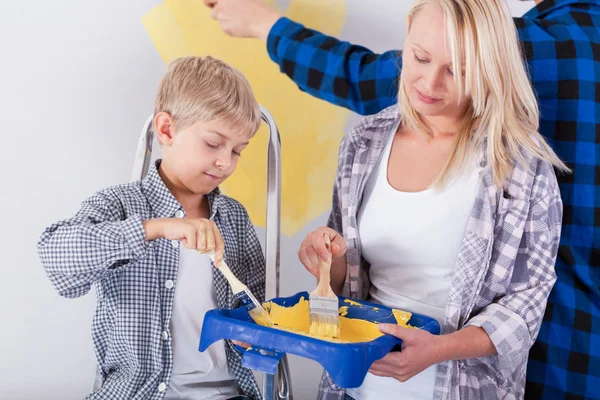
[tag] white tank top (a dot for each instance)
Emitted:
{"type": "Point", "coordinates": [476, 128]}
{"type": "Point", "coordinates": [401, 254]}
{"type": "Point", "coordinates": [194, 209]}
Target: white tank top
{"type": "Point", "coordinates": [411, 241]}
{"type": "Point", "coordinates": [196, 375]}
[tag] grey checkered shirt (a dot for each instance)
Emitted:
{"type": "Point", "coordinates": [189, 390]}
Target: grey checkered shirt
{"type": "Point", "coordinates": [504, 270]}
{"type": "Point", "coordinates": [104, 244]}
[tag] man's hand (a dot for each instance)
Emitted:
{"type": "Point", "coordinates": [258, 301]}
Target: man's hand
{"type": "Point", "coordinates": [243, 18]}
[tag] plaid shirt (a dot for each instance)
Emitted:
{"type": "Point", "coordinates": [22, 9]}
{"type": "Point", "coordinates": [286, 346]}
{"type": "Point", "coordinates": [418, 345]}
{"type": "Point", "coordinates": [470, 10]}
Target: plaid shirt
{"type": "Point", "coordinates": [504, 270]}
{"type": "Point", "coordinates": [104, 244]}
{"type": "Point", "coordinates": [562, 43]}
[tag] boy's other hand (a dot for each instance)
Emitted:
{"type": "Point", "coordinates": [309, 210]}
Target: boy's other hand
{"type": "Point", "coordinates": [195, 233]}
{"type": "Point", "coordinates": [243, 18]}
{"type": "Point", "coordinates": [241, 344]}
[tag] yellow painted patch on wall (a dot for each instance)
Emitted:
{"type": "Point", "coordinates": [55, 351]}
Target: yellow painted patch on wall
{"type": "Point", "coordinates": [310, 128]}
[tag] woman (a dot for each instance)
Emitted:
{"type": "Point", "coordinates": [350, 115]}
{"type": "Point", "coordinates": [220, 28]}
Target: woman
{"type": "Point", "coordinates": [447, 205]}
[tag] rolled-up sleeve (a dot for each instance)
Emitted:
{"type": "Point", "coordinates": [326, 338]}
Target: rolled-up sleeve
{"type": "Point", "coordinates": [514, 318]}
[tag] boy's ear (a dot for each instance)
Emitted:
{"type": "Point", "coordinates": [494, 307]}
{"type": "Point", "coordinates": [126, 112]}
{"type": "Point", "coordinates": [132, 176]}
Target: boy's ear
{"type": "Point", "coordinates": [164, 128]}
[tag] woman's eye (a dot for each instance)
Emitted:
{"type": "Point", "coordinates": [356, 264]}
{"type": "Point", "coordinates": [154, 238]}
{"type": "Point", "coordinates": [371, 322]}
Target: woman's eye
{"type": "Point", "coordinates": [422, 61]}
{"type": "Point", "coordinates": [212, 146]}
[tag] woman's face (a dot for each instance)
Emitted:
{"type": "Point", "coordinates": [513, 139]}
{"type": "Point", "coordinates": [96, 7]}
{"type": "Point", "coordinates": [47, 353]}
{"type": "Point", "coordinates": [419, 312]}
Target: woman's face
{"type": "Point", "coordinates": [427, 71]}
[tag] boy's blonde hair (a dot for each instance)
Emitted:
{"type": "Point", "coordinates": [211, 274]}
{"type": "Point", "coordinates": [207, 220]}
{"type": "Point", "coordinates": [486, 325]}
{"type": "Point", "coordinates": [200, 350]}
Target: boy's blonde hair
{"type": "Point", "coordinates": [205, 88]}
{"type": "Point", "coordinates": [502, 117]}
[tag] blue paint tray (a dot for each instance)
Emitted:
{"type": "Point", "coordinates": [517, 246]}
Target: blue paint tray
{"type": "Point", "coordinates": [347, 363]}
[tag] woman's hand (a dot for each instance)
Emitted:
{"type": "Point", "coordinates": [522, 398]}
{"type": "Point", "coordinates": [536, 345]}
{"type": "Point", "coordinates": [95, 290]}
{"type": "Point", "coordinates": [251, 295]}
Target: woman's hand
{"type": "Point", "coordinates": [420, 350]}
{"type": "Point", "coordinates": [313, 247]}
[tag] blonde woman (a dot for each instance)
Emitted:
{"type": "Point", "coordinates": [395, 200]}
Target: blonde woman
{"type": "Point", "coordinates": [448, 205]}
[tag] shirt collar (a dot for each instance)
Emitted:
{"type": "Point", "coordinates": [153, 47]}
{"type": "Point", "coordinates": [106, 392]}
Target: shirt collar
{"type": "Point", "coordinates": [162, 201]}
{"type": "Point", "coordinates": [548, 6]}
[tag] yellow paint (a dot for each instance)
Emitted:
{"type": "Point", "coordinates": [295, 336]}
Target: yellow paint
{"type": "Point", "coordinates": [310, 129]}
{"type": "Point", "coordinates": [297, 319]}
{"type": "Point", "coordinates": [352, 302]}
{"type": "Point", "coordinates": [402, 317]}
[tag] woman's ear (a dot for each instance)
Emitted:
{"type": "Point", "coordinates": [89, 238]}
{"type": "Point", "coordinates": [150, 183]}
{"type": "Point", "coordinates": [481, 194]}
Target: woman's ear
{"type": "Point", "coordinates": [164, 128]}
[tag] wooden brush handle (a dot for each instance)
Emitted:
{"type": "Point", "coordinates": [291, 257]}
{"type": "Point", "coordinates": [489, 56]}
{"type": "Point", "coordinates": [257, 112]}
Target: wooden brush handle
{"type": "Point", "coordinates": [324, 287]}
{"type": "Point", "coordinates": [236, 285]}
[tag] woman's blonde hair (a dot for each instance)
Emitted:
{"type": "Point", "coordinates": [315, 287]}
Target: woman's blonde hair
{"type": "Point", "coordinates": [205, 88]}
{"type": "Point", "coordinates": [502, 117]}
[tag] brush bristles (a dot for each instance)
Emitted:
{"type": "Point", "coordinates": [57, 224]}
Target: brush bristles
{"type": "Point", "coordinates": [325, 326]}
{"type": "Point", "coordinates": [324, 317]}
{"type": "Point", "coordinates": [260, 316]}
{"type": "Point", "coordinates": [255, 309]}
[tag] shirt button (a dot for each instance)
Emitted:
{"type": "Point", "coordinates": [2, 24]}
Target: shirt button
{"type": "Point", "coordinates": [175, 243]}
{"type": "Point", "coordinates": [162, 387]}
{"type": "Point", "coordinates": [165, 335]}
{"type": "Point", "coordinates": [179, 214]}
{"type": "Point", "coordinates": [169, 284]}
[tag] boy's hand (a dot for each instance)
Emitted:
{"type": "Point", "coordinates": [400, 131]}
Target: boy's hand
{"type": "Point", "coordinates": [313, 248]}
{"type": "Point", "coordinates": [247, 18]}
{"type": "Point", "coordinates": [241, 344]}
{"type": "Point", "coordinates": [195, 233]}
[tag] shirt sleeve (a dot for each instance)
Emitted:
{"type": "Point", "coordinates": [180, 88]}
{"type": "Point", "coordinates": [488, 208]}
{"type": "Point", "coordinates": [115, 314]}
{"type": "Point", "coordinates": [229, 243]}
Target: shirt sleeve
{"type": "Point", "coordinates": [513, 320]}
{"type": "Point", "coordinates": [335, 71]}
{"type": "Point", "coordinates": [79, 251]}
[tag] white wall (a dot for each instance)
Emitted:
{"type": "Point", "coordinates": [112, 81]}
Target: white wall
{"type": "Point", "coordinates": [77, 80]}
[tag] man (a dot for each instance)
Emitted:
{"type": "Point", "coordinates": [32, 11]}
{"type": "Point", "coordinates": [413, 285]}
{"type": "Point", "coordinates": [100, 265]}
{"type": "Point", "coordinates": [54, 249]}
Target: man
{"type": "Point", "coordinates": [561, 40]}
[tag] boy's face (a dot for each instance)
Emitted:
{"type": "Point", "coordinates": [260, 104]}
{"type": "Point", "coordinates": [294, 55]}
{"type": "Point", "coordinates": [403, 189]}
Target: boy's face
{"type": "Point", "coordinates": [202, 155]}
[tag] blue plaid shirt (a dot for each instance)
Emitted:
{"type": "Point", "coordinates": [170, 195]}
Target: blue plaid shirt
{"type": "Point", "coordinates": [561, 39]}
{"type": "Point", "coordinates": [104, 245]}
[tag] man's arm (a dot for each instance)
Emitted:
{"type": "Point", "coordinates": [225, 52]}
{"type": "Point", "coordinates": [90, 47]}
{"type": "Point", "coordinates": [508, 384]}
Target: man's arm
{"type": "Point", "coordinates": [338, 72]}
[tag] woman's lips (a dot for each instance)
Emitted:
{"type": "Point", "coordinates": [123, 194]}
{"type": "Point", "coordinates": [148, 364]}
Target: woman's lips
{"type": "Point", "coordinates": [426, 99]}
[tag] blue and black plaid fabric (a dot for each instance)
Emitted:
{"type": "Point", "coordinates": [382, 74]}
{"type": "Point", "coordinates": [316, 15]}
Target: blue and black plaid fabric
{"type": "Point", "coordinates": [561, 39]}
{"type": "Point", "coordinates": [104, 245]}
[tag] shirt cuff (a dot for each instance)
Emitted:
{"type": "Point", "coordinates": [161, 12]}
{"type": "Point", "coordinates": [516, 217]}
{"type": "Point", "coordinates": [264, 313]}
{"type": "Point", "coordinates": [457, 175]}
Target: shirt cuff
{"type": "Point", "coordinates": [283, 28]}
{"type": "Point", "coordinates": [135, 235]}
{"type": "Point", "coordinates": [509, 334]}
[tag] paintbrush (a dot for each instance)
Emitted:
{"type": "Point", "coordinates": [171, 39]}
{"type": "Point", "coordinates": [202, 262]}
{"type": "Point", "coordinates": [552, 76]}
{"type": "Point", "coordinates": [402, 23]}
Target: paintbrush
{"type": "Point", "coordinates": [323, 303]}
{"type": "Point", "coordinates": [242, 293]}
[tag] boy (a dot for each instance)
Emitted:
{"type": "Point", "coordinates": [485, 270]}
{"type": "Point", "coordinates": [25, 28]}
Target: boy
{"type": "Point", "coordinates": [142, 244]}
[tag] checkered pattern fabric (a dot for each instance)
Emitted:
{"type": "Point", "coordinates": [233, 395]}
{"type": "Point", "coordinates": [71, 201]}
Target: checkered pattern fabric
{"type": "Point", "coordinates": [561, 39]}
{"type": "Point", "coordinates": [104, 244]}
{"type": "Point", "coordinates": [504, 270]}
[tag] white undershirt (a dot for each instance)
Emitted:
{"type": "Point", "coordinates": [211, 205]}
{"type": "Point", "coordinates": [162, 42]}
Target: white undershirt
{"type": "Point", "coordinates": [196, 375]}
{"type": "Point", "coordinates": [411, 241]}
